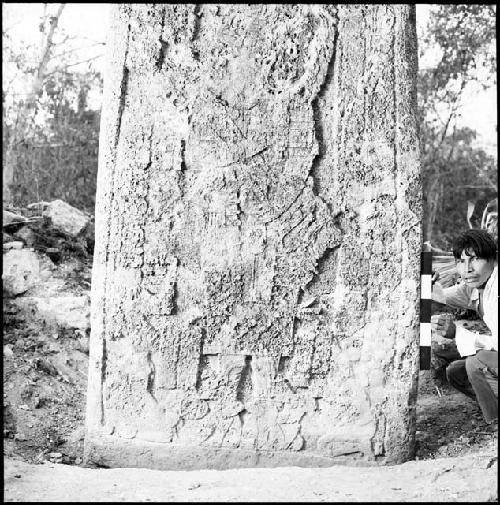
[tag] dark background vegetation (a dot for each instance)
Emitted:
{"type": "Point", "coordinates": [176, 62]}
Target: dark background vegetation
{"type": "Point", "coordinates": [50, 133]}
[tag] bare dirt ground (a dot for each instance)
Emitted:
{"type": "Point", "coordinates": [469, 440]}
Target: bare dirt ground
{"type": "Point", "coordinates": [45, 374]}
{"type": "Point", "coordinates": [468, 478]}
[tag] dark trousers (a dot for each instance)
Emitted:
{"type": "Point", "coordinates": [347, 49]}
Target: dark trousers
{"type": "Point", "coordinates": [477, 377]}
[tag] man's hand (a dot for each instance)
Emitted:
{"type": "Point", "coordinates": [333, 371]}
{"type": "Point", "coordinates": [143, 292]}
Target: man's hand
{"type": "Point", "coordinates": [437, 290]}
{"type": "Point", "coordinates": [443, 326]}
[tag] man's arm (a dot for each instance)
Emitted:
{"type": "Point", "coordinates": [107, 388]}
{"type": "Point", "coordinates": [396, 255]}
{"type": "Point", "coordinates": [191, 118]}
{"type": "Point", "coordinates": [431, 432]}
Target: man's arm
{"type": "Point", "coordinates": [457, 296]}
{"type": "Point", "coordinates": [471, 341]}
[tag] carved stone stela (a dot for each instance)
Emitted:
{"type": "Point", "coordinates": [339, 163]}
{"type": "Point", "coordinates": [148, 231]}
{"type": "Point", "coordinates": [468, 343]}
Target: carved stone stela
{"type": "Point", "coordinates": [255, 280]}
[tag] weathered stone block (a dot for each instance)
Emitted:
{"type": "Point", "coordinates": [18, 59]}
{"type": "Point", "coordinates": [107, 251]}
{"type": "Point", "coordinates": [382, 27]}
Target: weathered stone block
{"type": "Point", "coordinates": [20, 270]}
{"type": "Point", "coordinates": [65, 217]}
{"type": "Point", "coordinates": [256, 269]}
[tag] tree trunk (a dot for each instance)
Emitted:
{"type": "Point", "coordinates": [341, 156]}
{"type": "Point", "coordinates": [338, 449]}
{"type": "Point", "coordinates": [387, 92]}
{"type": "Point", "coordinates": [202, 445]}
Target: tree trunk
{"type": "Point", "coordinates": [258, 236]}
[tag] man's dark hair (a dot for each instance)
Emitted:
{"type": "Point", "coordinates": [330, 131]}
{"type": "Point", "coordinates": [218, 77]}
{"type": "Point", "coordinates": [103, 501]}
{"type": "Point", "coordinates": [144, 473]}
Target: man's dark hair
{"type": "Point", "coordinates": [478, 241]}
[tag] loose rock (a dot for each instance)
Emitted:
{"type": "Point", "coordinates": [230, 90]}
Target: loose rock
{"type": "Point", "coordinates": [21, 270]}
{"type": "Point", "coordinates": [65, 217]}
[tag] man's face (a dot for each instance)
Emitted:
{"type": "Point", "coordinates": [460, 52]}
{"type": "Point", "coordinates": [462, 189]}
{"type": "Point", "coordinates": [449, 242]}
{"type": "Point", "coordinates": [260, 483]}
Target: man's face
{"type": "Point", "coordinates": [473, 270]}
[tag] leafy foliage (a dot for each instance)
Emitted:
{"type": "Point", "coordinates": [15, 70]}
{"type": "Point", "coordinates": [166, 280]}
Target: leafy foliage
{"type": "Point", "coordinates": [454, 170]}
{"type": "Point", "coordinates": [50, 128]}
{"type": "Point", "coordinates": [59, 159]}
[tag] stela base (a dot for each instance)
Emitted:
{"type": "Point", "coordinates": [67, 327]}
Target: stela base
{"type": "Point", "coordinates": [115, 452]}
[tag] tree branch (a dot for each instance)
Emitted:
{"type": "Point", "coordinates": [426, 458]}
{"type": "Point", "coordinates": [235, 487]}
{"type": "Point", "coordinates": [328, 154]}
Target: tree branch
{"type": "Point", "coordinates": [77, 49]}
{"type": "Point", "coordinates": [42, 67]}
{"type": "Point", "coordinates": [73, 64]}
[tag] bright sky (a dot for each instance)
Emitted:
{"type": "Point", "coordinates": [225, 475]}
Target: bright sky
{"type": "Point", "coordinates": [90, 21]}
{"type": "Point", "coordinates": [479, 107]}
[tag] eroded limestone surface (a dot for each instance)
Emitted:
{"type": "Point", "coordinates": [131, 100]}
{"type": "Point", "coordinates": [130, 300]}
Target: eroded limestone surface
{"type": "Point", "coordinates": [255, 279]}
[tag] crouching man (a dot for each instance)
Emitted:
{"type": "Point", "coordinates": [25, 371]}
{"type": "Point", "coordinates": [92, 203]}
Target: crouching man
{"type": "Point", "coordinates": [476, 374]}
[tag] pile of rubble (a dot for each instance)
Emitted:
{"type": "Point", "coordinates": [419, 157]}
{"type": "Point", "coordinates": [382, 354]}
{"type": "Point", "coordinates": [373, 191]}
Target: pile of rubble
{"type": "Point", "coordinates": [47, 260]}
{"type": "Point", "coordinates": [41, 252]}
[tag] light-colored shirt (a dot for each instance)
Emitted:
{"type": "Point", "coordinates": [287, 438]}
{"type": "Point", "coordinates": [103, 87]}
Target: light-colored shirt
{"type": "Point", "coordinates": [463, 297]}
